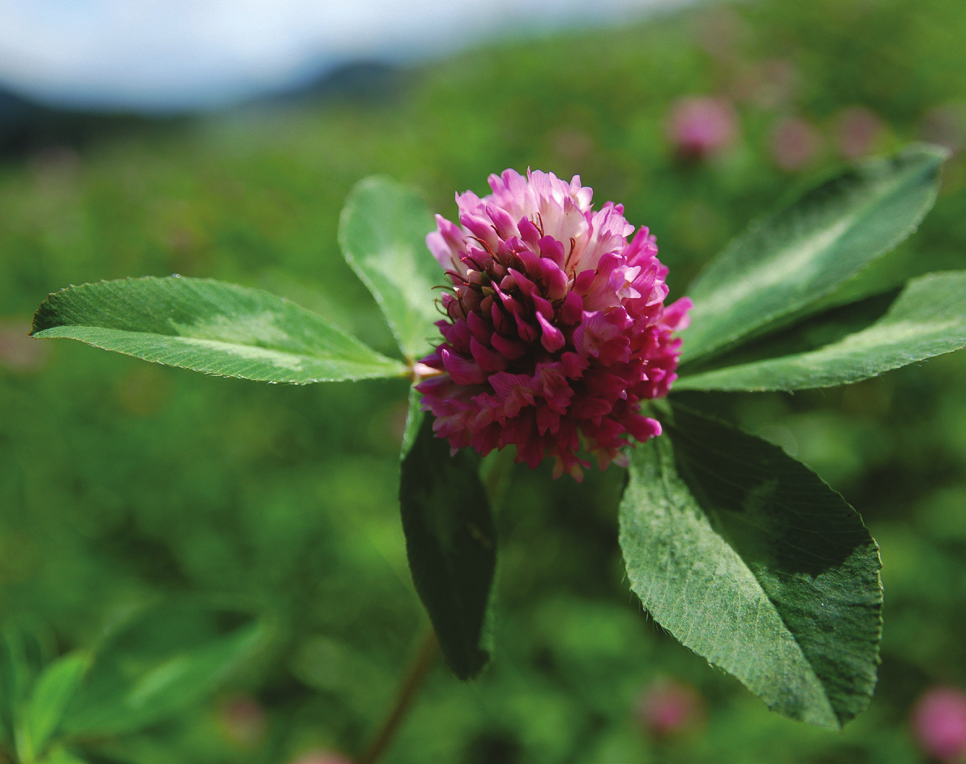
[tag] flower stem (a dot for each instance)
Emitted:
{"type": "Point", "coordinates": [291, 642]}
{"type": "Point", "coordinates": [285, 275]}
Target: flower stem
{"type": "Point", "coordinates": [414, 680]}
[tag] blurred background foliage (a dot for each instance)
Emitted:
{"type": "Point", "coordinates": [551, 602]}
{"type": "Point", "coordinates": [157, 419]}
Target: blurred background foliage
{"type": "Point", "coordinates": [121, 482]}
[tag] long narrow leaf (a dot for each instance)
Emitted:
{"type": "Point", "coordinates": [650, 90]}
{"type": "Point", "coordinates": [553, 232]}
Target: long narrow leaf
{"type": "Point", "coordinates": [23, 653]}
{"type": "Point", "coordinates": [928, 319]}
{"type": "Point", "coordinates": [754, 563]}
{"type": "Point", "coordinates": [51, 695]}
{"type": "Point", "coordinates": [786, 263]}
{"type": "Point", "coordinates": [211, 327]}
{"type": "Point", "coordinates": [160, 662]}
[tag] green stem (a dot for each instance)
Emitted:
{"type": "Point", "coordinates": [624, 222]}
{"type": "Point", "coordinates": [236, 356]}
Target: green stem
{"type": "Point", "coordinates": [407, 693]}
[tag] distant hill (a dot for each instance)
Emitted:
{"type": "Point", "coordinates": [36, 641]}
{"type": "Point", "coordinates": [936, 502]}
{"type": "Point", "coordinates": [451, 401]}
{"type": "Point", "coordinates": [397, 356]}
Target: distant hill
{"type": "Point", "coordinates": [27, 126]}
{"type": "Point", "coordinates": [358, 81]}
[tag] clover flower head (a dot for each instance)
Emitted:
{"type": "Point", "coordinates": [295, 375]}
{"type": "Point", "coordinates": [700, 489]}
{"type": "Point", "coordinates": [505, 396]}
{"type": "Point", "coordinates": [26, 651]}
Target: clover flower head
{"type": "Point", "coordinates": [555, 325]}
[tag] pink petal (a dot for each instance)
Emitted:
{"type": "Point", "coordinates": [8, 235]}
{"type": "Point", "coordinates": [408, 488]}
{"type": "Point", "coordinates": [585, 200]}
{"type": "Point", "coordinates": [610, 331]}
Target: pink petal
{"type": "Point", "coordinates": [461, 370]}
{"type": "Point", "coordinates": [553, 338]}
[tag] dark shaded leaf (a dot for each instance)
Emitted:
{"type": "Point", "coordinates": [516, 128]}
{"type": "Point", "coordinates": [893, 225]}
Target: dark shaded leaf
{"type": "Point", "coordinates": [451, 545]}
{"type": "Point", "coordinates": [753, 562]}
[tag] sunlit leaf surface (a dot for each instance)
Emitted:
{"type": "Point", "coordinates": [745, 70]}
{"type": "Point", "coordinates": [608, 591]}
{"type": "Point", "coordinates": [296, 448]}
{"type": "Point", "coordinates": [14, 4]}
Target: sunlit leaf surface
{"type": "Point", "coordinates": [212, 327]}
{"type": "Point", "coordinates": [383, 236]}
{"type": "Point", "coordinates": [928, 319]}
{"type": "Point", "coordinates": [784, 263]}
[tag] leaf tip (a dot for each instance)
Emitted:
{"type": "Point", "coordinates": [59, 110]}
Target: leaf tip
{"type": "Point", "coordinates": [43, 316]}
{"type": "Point", "coordinates": [933, 150]}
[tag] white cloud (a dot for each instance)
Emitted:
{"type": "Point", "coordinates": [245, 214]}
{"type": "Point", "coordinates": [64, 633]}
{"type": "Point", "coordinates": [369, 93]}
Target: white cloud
{"type": "Point", "coordinates": [184, 53]}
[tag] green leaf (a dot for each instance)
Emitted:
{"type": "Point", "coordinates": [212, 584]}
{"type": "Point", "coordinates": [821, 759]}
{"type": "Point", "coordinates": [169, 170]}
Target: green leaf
{"type": "Point", "coordinates": [62, 756]}
{"type": "Point", "coordinates": [52, 693]}
{"type": "Point", "coordinates": [383, 237]}
{"type": "Point", "coordinates": [451, 545]}
{"type": "Point", "coordinates": [783, 264]}
{"type": "Point", "coordinates": [159, 662]}
{"type": "Point", "coordinates": [414, 423]}
{"type": "Point", "coordinates": [754, 563]}
{"type": "Point", "coordinates": [23, 652]}
{"type": "Point", "coordinates": [928, 319]}
{"type": "Point", "coordinates": [212, 327]}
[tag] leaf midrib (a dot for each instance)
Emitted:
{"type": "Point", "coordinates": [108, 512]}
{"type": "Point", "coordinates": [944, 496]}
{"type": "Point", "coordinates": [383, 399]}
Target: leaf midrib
{"type": "Point", "coordinates": [65, 332]}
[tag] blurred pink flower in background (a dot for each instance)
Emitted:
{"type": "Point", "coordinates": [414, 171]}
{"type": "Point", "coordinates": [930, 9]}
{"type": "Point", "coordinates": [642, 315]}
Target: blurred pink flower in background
{"type": "Point", "coordinates": [244, 720]}
{"type": "Point", "coordinates": [857, 130]}
{"type": "Point", "coordinates": [945, 125]}
{"type": "Point", "coordinates": [795, 143]}
{"type": "Point", "coordinates": [700, 127]}
{"type": "Point", "coordinates": [939, 722]}
{"type": "Point", "coordinates": [556, 327]}
{"type": "Point", "coordinates": [668, 707]}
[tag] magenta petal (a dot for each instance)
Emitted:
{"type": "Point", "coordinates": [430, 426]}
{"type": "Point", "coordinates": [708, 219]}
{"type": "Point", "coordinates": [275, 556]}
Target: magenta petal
{"type": "Point", "coordinates": [676, 315]}
{"type": "Point", "coordinates": [461, 370]}
{"type": "Point", "coordinates": [572, 310]}
{"type": "Point", "coordinates": [514, 391]}
{"type": "Point", "coordinates": [553, 338]}
{"type": "Point", "coordinates": [553, 250]}
{"type": "Point", "coordinates": [528, 231]}
{"type": "Point", "coordinates": [555, 279]}
{"type": "Point", "coordinates": [588, 408]}
{"type": "Point", "coordinates": [488, 360]}
{"type": "Point", "coordinates": [528, 332]}
{"type": "Point", "coordinates": [479, 327]}
{"type": "Point", "coordinates": [583, 281]}
{"type": "Point", "coordinates": [458, 334]}
{"type": "Point", "coordinates": [531, 263]}
{"type": "Point", "coordinates": [511, 348]}
{"type": "Point", "coordinates": [643, 428]}
{"type": "Point", "coordinates": [502, 222]}
{"type": "Point", "coordinates": [525, 285]}
{"type": "Point", "coordinates": [486, 438]}
{"type": "Point", "coordinates": [573, 365]}
{"type": "Point", "coordinates": [506, 384]}
{"type": "Point", "coordinates": [502, 323]}
{"type": "Point", "coordinates": [543, 307]}
{"type": "Point", "coordinates": [441, 249]}
{"type": "Point", "coordinates": [452, 234]}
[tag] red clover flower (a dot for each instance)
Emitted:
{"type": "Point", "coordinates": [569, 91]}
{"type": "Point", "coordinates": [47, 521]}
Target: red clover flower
{"type": "Point", "coordinates": [555, 325]}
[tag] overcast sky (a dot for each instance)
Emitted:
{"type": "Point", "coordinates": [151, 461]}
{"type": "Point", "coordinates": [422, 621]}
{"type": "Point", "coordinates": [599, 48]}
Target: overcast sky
{"type": "Point", "coordinates": [174, 54]}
